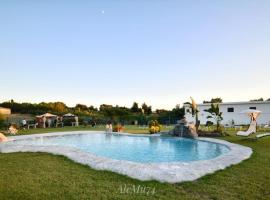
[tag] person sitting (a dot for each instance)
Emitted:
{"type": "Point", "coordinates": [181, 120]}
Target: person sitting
{"type": "Point", "coordinates": [24, 124]}
{"type": "Point", "coordinates": [93, 124]}
{"type": "Point", "coordinates": [119, 128]}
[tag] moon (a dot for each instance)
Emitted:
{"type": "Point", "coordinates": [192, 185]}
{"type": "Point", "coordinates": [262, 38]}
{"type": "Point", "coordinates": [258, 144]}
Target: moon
{"type": "Point", "coordinates": [103, 11]}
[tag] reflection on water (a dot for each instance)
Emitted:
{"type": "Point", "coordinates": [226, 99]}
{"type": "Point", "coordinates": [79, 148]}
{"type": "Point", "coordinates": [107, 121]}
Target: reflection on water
{"type": "Point", "coordinates": [135, 148]}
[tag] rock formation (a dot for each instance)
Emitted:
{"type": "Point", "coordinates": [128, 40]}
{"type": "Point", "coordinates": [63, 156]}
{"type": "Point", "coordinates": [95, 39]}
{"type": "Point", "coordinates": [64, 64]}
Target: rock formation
{"type": "Point", "coordinates": [185, 130]}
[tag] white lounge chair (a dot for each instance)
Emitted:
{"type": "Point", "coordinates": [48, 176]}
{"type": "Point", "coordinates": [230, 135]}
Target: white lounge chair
{"type": "Point", "coordinates": [251, 129]}
{"type": "Point", "coordinates": [3, 138]}
{"type": "Point", "coordinates": [262, 135]}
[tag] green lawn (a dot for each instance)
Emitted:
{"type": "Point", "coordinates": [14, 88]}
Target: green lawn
{"type": "Point", "coordinates": [44, 176]}
{"type": "Point", "coordinates": [128, 129]}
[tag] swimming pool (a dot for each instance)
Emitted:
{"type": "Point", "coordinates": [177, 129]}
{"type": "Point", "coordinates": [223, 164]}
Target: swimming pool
{"type": "Point", "coordinates": [144, 149]}
{"type": "Point", "coordinates": [144, 157]}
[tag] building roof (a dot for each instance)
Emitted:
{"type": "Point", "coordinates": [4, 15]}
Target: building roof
{"type": "Point", "coordinates": [237, 103]}
{"type": "Point", "coordinates": [47, 115]}
{"type": "Point", "coordinates": [68, 115]}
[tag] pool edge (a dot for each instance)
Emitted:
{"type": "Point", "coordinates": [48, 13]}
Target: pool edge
{"type": "Point", "coordinates": [172, 172]}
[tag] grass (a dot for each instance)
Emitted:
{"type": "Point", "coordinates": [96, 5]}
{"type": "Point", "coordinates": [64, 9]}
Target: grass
{"type": "Point", "coordinates": [44, 176]}
{"type": "Point", "coordinates": [128, 129]}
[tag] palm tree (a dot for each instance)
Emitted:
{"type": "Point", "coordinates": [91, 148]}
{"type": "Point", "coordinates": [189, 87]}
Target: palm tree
{"type": "Point", "coordinates": [215, 114]}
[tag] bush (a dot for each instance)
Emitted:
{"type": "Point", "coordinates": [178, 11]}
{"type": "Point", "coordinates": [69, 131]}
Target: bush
{"type": "Point", "coordinates": [68, 121]}
{"type": "Point", "coordinates": [209, 123]}
{"type": "Point", "coordinates": [154, 127]}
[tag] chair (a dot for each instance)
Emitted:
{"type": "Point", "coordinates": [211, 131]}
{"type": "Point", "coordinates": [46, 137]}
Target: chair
{"type": "Point", "coordinates": [251, 129]}
{"type": "Point", "coordinates": [262, 135]}
{"type": "Point", "coordinates": [3, 138]}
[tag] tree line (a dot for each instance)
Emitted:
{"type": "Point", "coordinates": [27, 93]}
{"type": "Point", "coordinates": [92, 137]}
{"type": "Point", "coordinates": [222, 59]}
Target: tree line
{"type": "Point", "coordinates": [140, 114]}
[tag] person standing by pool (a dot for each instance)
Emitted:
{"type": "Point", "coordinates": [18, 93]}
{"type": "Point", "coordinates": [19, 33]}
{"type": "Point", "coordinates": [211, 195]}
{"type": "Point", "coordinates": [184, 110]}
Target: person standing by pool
{"type": "Point", "coordinates": [76, 121]}
{"type": "Point", "coordinates": [44, 121]}
{"type": "Point", "coordinates": [107, 128]}
{"type": "Point", "coordinates": [110, 128]}
{"type": "Point", "coordinates": [56, 121]}
{"type": "Point", "coordinates": [49, 122]}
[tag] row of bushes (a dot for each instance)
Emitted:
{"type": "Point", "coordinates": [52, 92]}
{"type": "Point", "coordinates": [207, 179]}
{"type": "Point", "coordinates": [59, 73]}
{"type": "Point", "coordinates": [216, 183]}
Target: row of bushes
{"type": "Point", "coordinates": [105, 113]}
{"type": "Point", "coordinates": [154, 126]}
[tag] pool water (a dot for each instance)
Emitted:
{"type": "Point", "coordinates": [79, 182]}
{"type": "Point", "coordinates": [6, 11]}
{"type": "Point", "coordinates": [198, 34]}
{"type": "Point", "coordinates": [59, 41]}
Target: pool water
{"type": "Point", "coordinates": [144, 149]}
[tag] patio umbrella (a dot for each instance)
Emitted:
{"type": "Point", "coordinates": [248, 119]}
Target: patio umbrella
{"type": "Point", "coordinates": [252, 113]}
{"type": "Point", "coordinates": [48, 115]}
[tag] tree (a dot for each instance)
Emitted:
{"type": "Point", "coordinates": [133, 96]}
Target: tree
{"type": "Point", "coordinates": [147, 109]}
{"type": "Point", "coordinates": [215, 114]}
{"type": "Point", "coordinates": [161, 111]}
{"type": "Point", "coordinates": [104, 107]}
{"type": "Point", "coordinates": [92, 108]}
{"type": "Point", "coordinates": [81, 107]}
{"type": "Point", "coordinates": [121, 113]}
{"type": "Point", "coordinates": [178, 112]}
{"type": "Point", "coordinates": [135, 108]}
{"type": "Point", "coordinates": [214, 100]}
{"type": "Point", "coordinates": [59, 107]}
{"type": "Point", "coordinates": [260, 99]}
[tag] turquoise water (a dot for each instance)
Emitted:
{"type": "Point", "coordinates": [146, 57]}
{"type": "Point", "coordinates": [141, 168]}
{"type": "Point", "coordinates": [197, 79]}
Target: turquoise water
{"type": "Point", "coordinates": [142, 149]}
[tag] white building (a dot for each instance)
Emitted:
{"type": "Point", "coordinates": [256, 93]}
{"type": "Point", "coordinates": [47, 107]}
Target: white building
{"type": "Point", "coordinates": [232, 112]}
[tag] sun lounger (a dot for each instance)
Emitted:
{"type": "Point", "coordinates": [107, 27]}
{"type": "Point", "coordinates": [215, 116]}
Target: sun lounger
{"type": "Point", "coordinates": [32, 125]}
{"type": "Point", "coordinates": [262, 135]}
{"type": "Point", "coordinates": [3, 138]}
{"type": "Point", "coordinates": [251, 129]}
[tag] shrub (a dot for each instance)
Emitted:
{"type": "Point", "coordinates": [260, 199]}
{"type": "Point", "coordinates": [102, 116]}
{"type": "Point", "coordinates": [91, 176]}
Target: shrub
{"type": "Point", "coordinates": [154, 127]}
{"type": "Point", "coordinates": [68, 121]}
{"type": "Point", "coordinates": [209, 123]}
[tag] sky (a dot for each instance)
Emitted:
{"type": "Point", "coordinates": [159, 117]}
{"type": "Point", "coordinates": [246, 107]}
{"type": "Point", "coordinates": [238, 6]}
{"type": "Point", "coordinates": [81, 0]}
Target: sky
{"type": "Point", "coordinates": [116, 52]}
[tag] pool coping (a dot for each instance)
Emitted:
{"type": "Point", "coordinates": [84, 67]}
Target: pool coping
{"type": "Point", "coordinates": [171, 172]}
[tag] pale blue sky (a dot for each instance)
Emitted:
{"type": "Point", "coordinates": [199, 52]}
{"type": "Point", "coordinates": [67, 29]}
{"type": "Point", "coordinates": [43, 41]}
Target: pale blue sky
{"type": "Point", "coordinates": [116, 52]}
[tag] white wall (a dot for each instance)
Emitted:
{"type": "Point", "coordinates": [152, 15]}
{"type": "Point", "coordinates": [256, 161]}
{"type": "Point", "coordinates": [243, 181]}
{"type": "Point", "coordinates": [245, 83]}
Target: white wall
{"type": "Point", "coordinates": [237, 116]}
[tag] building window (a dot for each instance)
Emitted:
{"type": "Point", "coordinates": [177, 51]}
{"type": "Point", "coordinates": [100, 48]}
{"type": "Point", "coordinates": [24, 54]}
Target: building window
{"type": "Point", "coordinates": [252, 108]}
{"type": "Point", "coordinates": [230, 109]}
